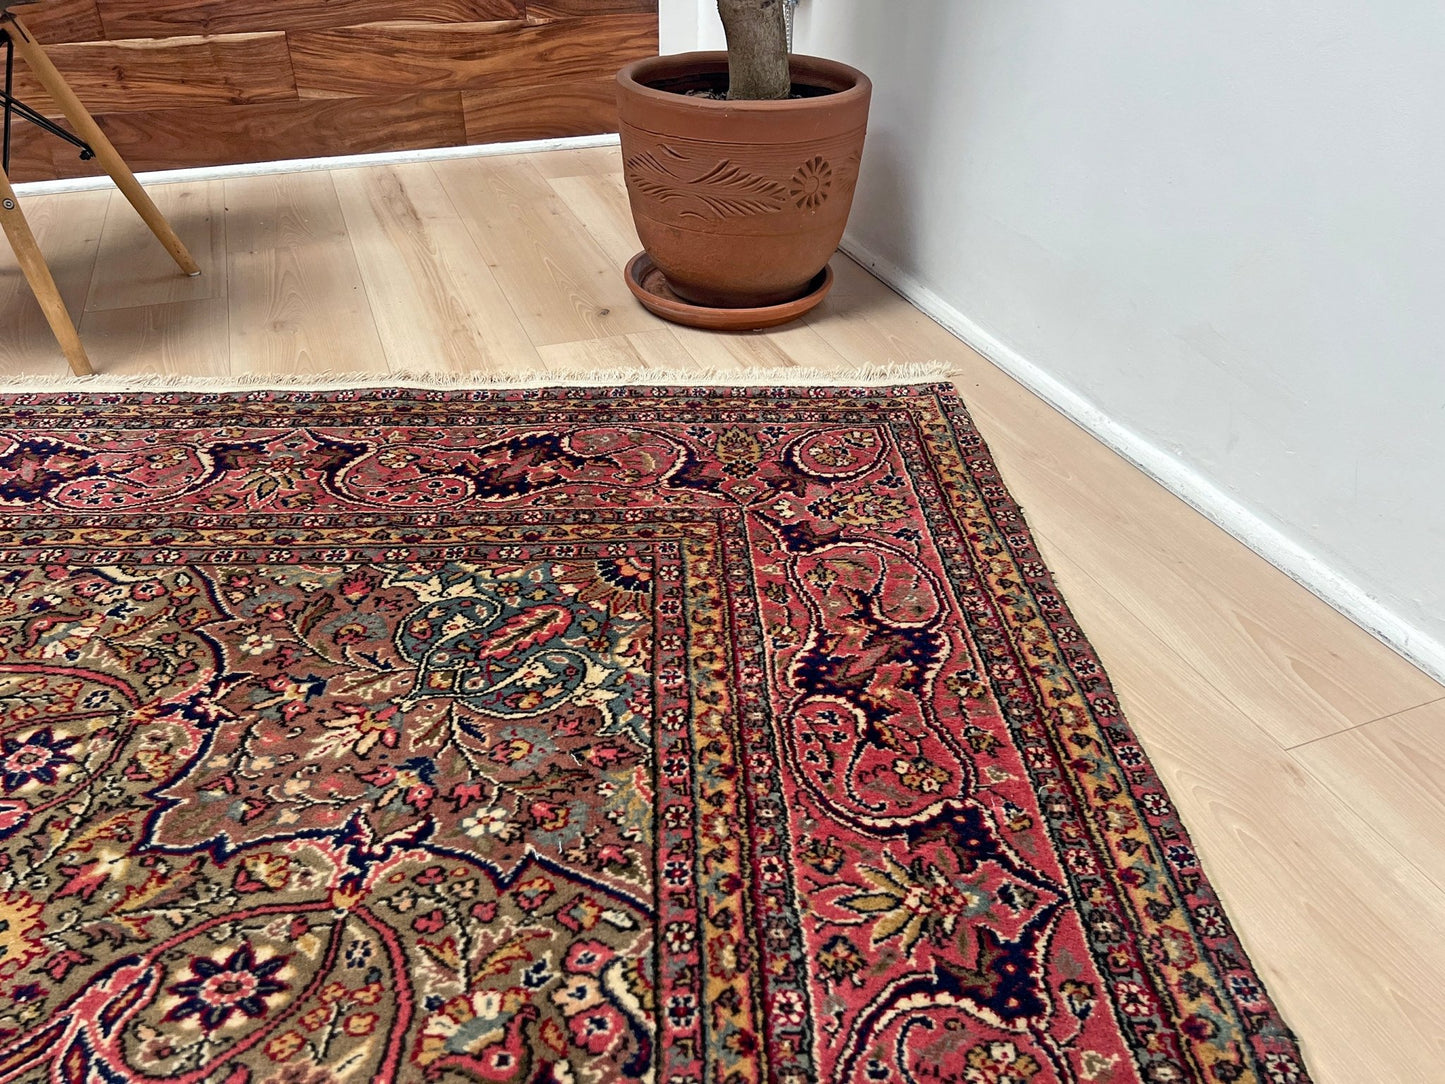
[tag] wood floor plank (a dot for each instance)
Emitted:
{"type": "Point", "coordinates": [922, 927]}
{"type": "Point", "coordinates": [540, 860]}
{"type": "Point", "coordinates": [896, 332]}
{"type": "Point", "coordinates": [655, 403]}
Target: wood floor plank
{"type": "Point", "coordinates": [656, 350]}
{"type": "Point", "coordinates": [133, 268]}
{"type": "Point", "coordinates": [661, 350]}
{"type": "Point", "coordinates": [183, 338]}
{"type": "Point", "coordinates": [1347, 934]}
{"type": "Point", "coordinates": [437, 305]}
{"type": "Point", "coordinates": [576, 162]}
{"type": "Point", "coordinates": [796, 346]}
{"type": "Point", "coordinates": [128, 76]}
{"type": "Point", "coordinates": [1284, 657]}
{"type": "Point", "coordinates": [599, 200]}
{"type": "Point", "coordinates": [591, 355]}
{"type": "Point", "coordinates": [1281, 655]}
{"type": "Point", "coordinates": [562, 286]}
{"type": "Point", "coordinates": [1392, 773]}
{"type": "Point", "coordinates": [297, 301]}
{"type": "Point", "coordinates": [68, 229]}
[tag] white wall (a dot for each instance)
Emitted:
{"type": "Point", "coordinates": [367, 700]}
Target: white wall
{"type": "Point", "coordinates": [1220, 224]}
{"type": "Point", "coordinates": [684, 25]}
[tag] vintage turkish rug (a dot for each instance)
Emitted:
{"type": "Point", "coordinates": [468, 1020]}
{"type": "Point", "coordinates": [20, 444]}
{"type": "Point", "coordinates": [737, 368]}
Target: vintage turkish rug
{"type": "Point", "coordinates": [576, 736]}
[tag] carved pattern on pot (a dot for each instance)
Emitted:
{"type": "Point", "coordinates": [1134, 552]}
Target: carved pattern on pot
{"type": "Point", "coordinates": [725, 190]}
{"type": "Point", "coordinates": [812, 183]}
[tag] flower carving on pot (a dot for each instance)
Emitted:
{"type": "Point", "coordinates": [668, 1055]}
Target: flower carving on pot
{"type": "Point", "coordinates": [811, 183]}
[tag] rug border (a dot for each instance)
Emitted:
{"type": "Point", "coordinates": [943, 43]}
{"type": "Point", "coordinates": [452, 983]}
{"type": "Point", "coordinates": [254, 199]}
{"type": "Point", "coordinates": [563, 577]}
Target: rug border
{"type": "Point", "coordinates": [857, 376]}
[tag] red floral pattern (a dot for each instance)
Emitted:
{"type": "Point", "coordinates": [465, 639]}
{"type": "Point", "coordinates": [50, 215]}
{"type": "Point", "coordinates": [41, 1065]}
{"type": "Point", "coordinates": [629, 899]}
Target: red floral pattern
{"type": "Point", "coordinates": [572, 735]}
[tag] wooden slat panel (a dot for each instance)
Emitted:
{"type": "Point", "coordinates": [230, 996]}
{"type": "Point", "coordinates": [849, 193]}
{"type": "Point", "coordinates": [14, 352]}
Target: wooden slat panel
{"type": "Point", "coordinates": [543, 112]}
{"type": "Point", "coordinates": [551, 9]}
{"type": "Point", "coordinates": [130, 76]}
{"type": "Point", "coordinates": [215, 135]}
{"type": "Point", "coordinates": [367, 59]}
{"type": "Point", "coordinates": [528, 70]}
{"type": "Point", "coordinates": [163, 18]}
{"type": "Point", "coordinates": [63, 20]}
{"type": "Point", "coordinates": [35, 156]}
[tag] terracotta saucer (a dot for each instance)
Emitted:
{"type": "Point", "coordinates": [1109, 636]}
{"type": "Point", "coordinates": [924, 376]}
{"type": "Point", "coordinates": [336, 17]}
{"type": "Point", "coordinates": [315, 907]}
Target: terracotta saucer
{"type": "Point", "coordinates": [650, 287]}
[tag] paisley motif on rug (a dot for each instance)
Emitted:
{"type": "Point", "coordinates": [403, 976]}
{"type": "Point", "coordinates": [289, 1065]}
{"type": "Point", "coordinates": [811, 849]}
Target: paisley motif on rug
{"type": "Point", "coordinates": [572, 735]}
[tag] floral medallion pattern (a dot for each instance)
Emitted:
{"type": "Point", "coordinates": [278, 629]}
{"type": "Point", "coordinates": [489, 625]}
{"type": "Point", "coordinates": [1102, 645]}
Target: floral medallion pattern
{"type": "Point", "coordinates": [572, 736]}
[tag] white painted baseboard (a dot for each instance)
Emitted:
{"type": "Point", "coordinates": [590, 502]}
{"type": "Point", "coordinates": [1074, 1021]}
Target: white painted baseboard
{"type": "Point", "coordinates": [1298, 563]}
{"type": "Point", "coordinates": [304, 165]}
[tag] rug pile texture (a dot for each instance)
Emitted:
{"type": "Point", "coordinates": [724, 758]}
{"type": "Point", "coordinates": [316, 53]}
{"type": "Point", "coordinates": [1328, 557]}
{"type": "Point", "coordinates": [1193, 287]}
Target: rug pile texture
{"type": "Point", "coordinates": [684, 735]}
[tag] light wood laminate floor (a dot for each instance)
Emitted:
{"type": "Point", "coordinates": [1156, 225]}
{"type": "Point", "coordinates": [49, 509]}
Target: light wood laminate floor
{"type": "Point", "coordinates": [1307, 759]}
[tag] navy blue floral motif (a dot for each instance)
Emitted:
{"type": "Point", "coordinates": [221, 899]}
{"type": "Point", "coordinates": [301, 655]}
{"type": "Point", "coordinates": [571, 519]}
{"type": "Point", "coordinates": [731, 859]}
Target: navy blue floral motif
{"type": "Point", "coordinates": [38, 758]}
{"type": "Point", "coordinates": [220, 988]}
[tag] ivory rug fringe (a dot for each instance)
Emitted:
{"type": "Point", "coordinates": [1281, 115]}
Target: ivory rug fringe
{"type": "Point", "coordinates": [893, 373]}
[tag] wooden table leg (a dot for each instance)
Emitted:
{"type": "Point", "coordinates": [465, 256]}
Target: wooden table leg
{"type": "Point", "coordinates": [85, 127]}
{"type": "Point", "coordinates": [32, 263]}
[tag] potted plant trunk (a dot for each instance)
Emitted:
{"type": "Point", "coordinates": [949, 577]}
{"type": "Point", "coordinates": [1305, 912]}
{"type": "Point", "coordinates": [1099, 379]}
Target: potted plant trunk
{"type": "Point", "coordinates": [740, 169]}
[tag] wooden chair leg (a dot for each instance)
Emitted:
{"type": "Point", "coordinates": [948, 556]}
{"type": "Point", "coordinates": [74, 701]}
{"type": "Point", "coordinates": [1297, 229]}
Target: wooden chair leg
{"type": "Point", "coordinates": [32, 263]}
{"type": "Point", "coordinates": [85, 127]}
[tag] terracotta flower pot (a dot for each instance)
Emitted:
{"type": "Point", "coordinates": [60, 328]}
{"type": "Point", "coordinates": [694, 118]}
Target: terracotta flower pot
{"type": "Point", "coordinates": [740, 204]}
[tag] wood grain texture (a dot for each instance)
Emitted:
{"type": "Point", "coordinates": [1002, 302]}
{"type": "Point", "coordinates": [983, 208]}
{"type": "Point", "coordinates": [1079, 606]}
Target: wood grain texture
{"type": "Point", "coordinates": [98, 144]}
{"type": "Point", "coordinates": [68, 230]}
{"type": "Point", "coordinates": [297, 300]}
{"type": "Point", "coordinates": [578, 161]}
{"type": "Point", "coordinates": [180, 338]}
{"type": "Point", "coordinates": [1274, 663]}
{"type": "Point", "coordinates": [556, 9]}
{"type": "Point", "coordinates": [130, 76]}
{"type": "Point", "coordinates": [132, 269]}
{"type": "Point", "coordinates": [561, 284]}
{"type": "Point", "coordinates": [213, 135]}
{"type": "Point", "coordinates": [64, 20]}
{"type": "Point", "coordinates": [169, 18]}
{"type": "Point", "coordinates": [600, 201]}
{"type": "Point", "coordinates": [425, 278]}
{"type": "Point", "coordinates": [467, 56]}
{"type": "Point", "coordinates": [540, 112]}
{"type": "Point", "coordinates": [640, 350]}
{"type": "Point", "coordinates": [31, 262]}
{"type": "Point", "coordinates": [1392, 773]}
{"type": "Point", "coordinates": [181, 83]}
